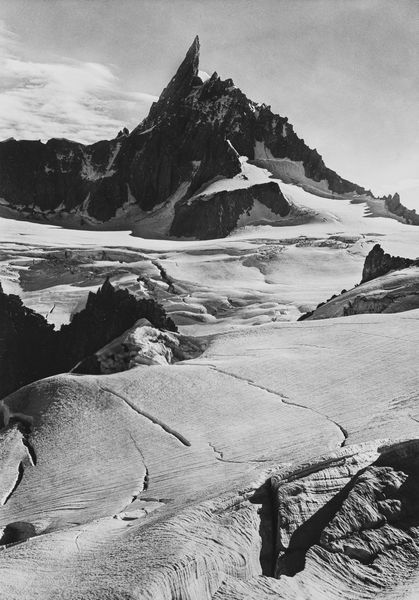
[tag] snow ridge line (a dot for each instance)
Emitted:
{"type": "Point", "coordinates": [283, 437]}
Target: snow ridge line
{"type": "Point", "coordinates": [182, 439]}
{"type": "Point", "coordinates": [283, 399]}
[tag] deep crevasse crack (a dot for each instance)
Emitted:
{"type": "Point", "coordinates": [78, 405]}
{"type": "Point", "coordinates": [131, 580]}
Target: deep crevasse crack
{"type": "Point", "coordinates": [181, 438]}
{"type": "Point", "coordinates": [19, 477]}
{"type": "Point", "coordinates": [146, 479]}
{"type": "Point", "coordinates": [21, 466]}
{"type": "Point", "coordinates": [283, 399]}
{"type": "Point", "coordinates": [30, 451]}
{"type": "Point", "coordinates": [220, 456]}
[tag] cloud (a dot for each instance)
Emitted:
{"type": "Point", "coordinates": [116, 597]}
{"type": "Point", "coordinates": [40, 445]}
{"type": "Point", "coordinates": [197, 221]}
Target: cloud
{"type": "Point", "coordinates": [73, 99]}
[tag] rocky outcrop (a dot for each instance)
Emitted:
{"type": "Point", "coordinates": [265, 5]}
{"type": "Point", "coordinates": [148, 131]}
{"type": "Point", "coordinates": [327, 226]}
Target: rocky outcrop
{"type": "Point", "coordinates": [216, 215]}
{"type": "Point", "coordinates": [30, 349]}
{"type": "Point", "coordinates": [107, 315]}
{"type": "Point", "coordinates": [193, 134]}
{"type": "Point", "coordinates": [396, 207]}
{"type": "Point", "coordinates": [379, 263]}
{"type": "Point", "coordinates": [393, 293]}
{"type": "Point", "coordinates": [355, 516]}
{"type": "Point", "coordinates": [142, 344]}
{"type": "Point", "coordinates": [389, 284]}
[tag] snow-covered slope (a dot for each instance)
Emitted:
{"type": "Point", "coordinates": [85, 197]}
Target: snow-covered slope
{"type": "Point", "coordinates": [257, 274]}
{"type": "Point", "coordinates": [396, 291]}
{"type": "Point", "coordinates": [111, 496]}
{"type": "Point", "coordinates": [251, 466]}
{"type": "Point", "coordinates": [157, 482]}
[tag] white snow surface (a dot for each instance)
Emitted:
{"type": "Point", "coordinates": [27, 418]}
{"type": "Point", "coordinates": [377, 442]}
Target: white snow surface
{"type": "Point", "coordinates": [204, 76]}
{"type": "Point", "coordinates": [327, 216]}
{"type": "Point", "coordinates": [144, 480]}
{"type": "Point", "coordinates": [250, 175]}
{"type": "Point", "coordinates": [288, 170]}
{"type": "Point", "coordinates": [260, 273]}
{"type": "Point", "coordinates": [196, 440]}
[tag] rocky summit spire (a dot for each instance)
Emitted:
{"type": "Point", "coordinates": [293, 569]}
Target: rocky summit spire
{"type": "Point", "coordinates": [186, 76]}
{"type": "Point", "coordinates": [194, 134]}
{"type": "Point", "coordinates": [379, 263]}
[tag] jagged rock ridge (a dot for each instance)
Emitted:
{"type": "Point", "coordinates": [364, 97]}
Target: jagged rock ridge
{"type": "Point", "coordinates": [30, 349]}
{"type": "Point", "coordinates": [142, 344]}
{"type": "Point", "coordinates": [379, 263]}
{"type": "Point", "coordinates": [396, 207]}
{"type": "Point", "coordinates": [389, 284]}
{"type": "Point", "coordinates": [193, 134]}
{"type": "Point", "coordinates": [25, 344]}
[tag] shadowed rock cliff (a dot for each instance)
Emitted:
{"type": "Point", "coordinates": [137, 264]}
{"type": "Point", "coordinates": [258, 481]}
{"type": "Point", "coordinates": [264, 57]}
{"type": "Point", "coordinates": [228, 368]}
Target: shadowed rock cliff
{"type": "Point", "coordinates": [30, 349]}
{"type": "Point", "coordinates": [193, 134]}
{"type": "Point", "coordinates": [379, 263]}
{"type": "Point", "coordinates": [25, 344]}
{"type": "Point", "coordinates": [216, 215]}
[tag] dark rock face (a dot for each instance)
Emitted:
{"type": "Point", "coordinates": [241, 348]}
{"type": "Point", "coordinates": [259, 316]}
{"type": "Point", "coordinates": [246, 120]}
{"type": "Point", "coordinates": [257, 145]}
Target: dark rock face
{"type": "Point", "coordinates": [25, 344]}
{"type": "Point", "coordinates": [396, 207]}
{"type": "Point", "coordinates": [216, 215]}
{"type": "Point", "coordinates": [30, 349]}
{"type": "Point", "coordinates": [188, 138]}
{"type": "Point", "coordinates": [58, 173]}
{"type": "Point", "coordinates": [107, 315]}
{"type": "Point", "coordinates": [379, 263]}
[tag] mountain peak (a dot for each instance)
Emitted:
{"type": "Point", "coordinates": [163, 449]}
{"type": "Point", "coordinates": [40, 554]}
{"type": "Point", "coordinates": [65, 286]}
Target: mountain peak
{"type": "Point", "coordinates": [191, 60]}
{"type": "Point", "coordinates": [195, 46]}
{"type": "Point", "coordinates": [183, 145]}
{"type": "Point", "coordinates": [186, 76]}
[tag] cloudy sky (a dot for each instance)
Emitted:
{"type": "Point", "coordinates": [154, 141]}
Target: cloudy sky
{"type": "Point", "coordinates": [345, 72]}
